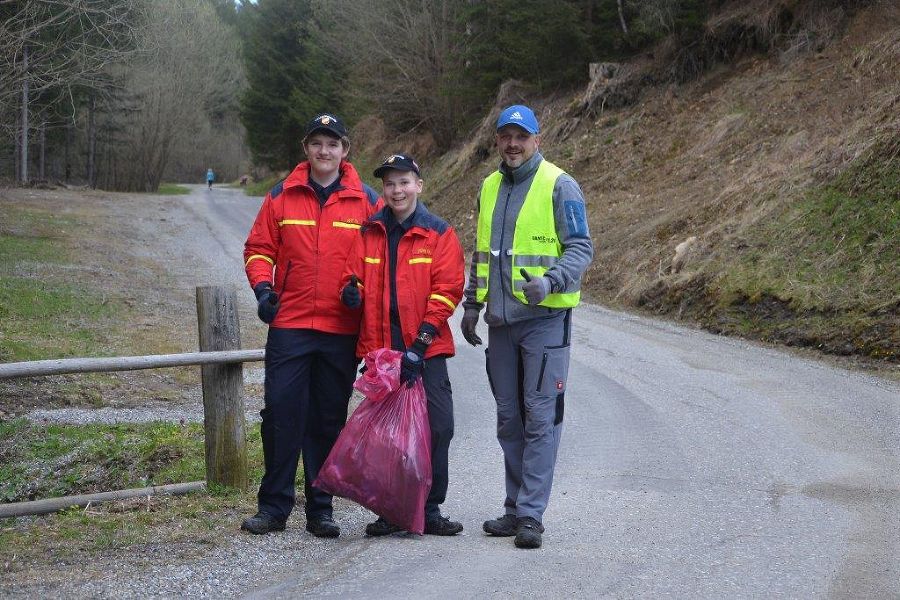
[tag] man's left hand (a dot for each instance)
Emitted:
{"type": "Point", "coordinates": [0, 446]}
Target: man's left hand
{"type": "Point", "coordinates": [535, 288]}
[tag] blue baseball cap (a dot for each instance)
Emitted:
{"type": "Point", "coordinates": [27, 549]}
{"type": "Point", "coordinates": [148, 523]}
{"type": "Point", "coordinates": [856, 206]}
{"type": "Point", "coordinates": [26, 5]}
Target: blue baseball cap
{"type": "Point", "coordinates": [521, 115]}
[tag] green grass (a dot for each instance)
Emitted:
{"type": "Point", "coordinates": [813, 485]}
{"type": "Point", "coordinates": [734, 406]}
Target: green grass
{"type": "Point", "coordinates": [40, 461]}
{"type": "Point", "coordinates": [823, 272]}
{"type": "Point", "coordinates": [43, 316]}
{"type": "Point", "coordinates": [262, 187]}
{"type": "Point", "coordinates": [172, 189]}
{"type": "Point", "coordinates": [836, 249]}
{"type": "Point", "coordinates": [43, 461]}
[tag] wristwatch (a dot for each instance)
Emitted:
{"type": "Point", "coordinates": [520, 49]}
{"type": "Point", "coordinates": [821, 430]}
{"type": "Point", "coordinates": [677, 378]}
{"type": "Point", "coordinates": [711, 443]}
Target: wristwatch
{"type": "Point", "coordinates": [425, 338]}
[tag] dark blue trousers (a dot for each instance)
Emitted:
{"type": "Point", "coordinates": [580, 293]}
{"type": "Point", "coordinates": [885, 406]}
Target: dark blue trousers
{"type": "Point", "coordinates": [440, 420]}
{"type": "Point", "coordinates": [309, 379]}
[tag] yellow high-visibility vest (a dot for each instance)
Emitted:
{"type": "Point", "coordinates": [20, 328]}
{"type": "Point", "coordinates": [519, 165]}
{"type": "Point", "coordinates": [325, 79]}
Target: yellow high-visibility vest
{"type": "Point", "coordinates": [535, 246]}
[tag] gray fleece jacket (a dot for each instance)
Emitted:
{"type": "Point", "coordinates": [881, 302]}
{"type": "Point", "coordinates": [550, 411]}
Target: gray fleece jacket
{"type": "Point", "coordinates": [571, 228]}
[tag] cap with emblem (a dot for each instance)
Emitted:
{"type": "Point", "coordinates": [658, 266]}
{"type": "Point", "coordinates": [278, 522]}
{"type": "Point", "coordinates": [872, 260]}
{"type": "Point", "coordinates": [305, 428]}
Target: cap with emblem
{"type": "Point", "coordinates": [327, 123]}
{"type": "Point", "coordinates": [399, 162]}
{"type": "Point", "coordinates": [521, 115]}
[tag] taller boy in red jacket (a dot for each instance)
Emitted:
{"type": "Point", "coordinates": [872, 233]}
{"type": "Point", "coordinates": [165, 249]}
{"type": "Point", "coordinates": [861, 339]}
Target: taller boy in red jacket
{"type": "Point", "coordinates": [294, 256]}
{"type": "Point", "coordinates": [406, 272]}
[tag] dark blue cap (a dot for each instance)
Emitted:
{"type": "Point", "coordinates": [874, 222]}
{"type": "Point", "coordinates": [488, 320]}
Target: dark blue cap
{"type": "Point", "coordinates": [328, 123]}
{"type": "Point", "coordinates": [399, 162]}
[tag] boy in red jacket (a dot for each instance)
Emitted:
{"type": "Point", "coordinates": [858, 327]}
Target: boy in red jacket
{"type": "Point", "coordinates": [406, 272]}
{"type": "Point", "coordinates": [294, 255]}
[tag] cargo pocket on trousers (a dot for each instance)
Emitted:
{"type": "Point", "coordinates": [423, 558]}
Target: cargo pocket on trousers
{"type": "Point", "coordinates": [554, 370]}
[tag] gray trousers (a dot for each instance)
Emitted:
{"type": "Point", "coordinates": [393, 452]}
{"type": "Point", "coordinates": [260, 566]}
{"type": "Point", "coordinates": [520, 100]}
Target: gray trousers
{"type": "Point", "coordinates": [527, 366]}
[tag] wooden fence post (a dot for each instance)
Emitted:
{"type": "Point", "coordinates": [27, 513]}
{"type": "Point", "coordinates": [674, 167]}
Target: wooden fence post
{"type": "Point", "coordinates": [223, 386]}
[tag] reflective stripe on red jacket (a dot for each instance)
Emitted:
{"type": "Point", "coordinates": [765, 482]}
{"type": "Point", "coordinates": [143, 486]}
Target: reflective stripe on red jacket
{"type": "Point", "coordinates": [430, 276]}
{"type": "Point", "coordinates": [301, 248]}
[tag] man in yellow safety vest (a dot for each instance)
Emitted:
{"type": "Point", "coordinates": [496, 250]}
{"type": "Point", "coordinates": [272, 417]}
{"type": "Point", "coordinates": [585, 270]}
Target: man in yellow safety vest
{"type": "Point", "coordinates": [532, 247]}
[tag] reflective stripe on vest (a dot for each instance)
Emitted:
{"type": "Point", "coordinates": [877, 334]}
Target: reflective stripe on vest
{"type": "Point", "coordinates": [535, 246]}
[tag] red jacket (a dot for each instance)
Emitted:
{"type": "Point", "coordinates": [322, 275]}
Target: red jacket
{"type": "Point", "coordinates": [430, 276]}
{"type": "Point", "coordinates": [308, 246]}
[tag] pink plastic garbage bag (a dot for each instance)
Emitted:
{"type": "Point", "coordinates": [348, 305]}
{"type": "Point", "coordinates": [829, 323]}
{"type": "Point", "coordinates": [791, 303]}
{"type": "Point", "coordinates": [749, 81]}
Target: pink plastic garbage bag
{"type": "Point", "coordinates": [382, 459]}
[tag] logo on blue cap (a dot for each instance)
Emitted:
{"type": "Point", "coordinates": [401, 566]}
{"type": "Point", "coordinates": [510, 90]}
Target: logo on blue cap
{"type": "Point", "coordinates": [520, 115]}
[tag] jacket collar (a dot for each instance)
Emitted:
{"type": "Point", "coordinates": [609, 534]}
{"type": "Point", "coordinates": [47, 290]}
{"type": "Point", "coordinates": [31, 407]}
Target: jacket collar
{"type": "Point", "coordinates": [348, 177]}
{"type": "Point", "coordinates": [421, 217]}
{"type": "Point", "coordinates": [523, 171]}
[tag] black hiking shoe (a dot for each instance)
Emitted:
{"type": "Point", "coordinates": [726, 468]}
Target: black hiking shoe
{"type": "Point", "coordinates": [262, 523]}
{"type": "Point", "coordinates": [382, 527]}
{"type": "Point", "coordinates": [529, 533]}
{"type": "Point", "coordinates": [323, 527]}
{"type": "Point", "coordinates": [442, 526]}
{"type": "Point", "coordinates": [505, 526]}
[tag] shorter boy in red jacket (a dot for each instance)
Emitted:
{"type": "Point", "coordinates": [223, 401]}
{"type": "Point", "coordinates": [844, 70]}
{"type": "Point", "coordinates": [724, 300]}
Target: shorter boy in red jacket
{"type": "Point", "coordinates": [406, 273]}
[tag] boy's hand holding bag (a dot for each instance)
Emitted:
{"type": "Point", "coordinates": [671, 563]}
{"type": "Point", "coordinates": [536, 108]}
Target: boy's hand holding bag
{"type": "Point", "coordinates": [382, 459]}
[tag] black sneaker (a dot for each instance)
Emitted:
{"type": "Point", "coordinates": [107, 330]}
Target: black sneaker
{"type": "Point", "coordinates": [382, 527]}
{"type": "Point", "coordinates": [505, 526]}
{"type": "Point", "coordinates": [442, 526]}
{"type": "Point", "coordinates": [261, 523]}
{"type": "Point", "coordinates": [323, 527]}
{"type": "Point", "coordinates": [529, 533]}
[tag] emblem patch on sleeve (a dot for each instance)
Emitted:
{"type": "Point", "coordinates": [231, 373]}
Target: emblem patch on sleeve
{"type": "Point", "coordinates": [576, 220]}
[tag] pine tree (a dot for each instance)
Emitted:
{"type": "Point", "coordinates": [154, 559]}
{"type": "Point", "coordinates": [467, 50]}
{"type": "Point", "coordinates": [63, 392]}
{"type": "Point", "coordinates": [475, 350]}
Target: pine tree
{"type": "Point", "coordinates": [290, 79]}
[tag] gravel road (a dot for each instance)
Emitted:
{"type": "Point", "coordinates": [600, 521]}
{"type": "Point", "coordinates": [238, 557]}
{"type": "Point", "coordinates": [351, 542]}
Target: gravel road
{"type": "Point", "coordinates": [691, 466]}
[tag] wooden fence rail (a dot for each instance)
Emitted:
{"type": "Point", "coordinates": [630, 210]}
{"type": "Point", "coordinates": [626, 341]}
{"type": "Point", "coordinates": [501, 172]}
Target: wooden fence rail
{"type": "Point", "coordinates": [220, 360]}
{"type": "Point", "coordinates": [61, 366]}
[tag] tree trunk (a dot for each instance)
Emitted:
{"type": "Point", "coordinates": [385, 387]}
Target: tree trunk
{"type": "Point", "coordinates": [68, 156]}
{"type": "Point", "coordinates": [92, 144]}
{"type": "Point", "coordinates": [23, 159]}
{"type": "Point", "coordinates": [42, 136]}
{"type": "Point", "coordinates": [622, 16]}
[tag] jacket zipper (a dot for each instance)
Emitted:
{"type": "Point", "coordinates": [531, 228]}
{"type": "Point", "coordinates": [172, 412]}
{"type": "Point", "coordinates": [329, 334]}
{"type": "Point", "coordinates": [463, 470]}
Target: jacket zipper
{"type": "Point", "coordinates": [501, 254]}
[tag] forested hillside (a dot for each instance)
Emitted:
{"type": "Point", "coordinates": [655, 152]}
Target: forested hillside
{"type": "Point", "coordinates": [768, 150]}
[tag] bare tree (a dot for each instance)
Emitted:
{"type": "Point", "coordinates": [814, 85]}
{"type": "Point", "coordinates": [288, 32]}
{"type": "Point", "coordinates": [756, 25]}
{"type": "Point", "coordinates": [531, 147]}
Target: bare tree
{"type": "Point", "coordinates": [47, 47]}
{"type": "Point", "coordinates": [187, 69]}
{"type": "Point", "coordinates": [404, 55]}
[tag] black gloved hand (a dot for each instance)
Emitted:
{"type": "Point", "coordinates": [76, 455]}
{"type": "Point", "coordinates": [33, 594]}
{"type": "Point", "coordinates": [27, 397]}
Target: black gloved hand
{"type": "Point", "coordinates": [411, 366]}
{"type": "Point", "coordinates": [267, 300]}
{"type": "Point", "coordinates": [350, 294]}
{"type": "Point", "coordinates": [469, 322]}
{"type": "Point", "coordinates": [535, 288]}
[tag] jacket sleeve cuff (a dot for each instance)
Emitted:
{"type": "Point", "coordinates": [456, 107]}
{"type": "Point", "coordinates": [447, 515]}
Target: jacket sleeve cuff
{"type": "Point", "coordinates": [260, 287]}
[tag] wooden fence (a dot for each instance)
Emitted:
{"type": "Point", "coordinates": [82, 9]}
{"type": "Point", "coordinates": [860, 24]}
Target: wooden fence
{"type": "Point", "coordinates": [221, 373]}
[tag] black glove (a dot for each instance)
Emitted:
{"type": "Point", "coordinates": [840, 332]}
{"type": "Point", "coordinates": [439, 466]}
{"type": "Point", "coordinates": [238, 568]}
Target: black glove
{"type": "Point", "coordinates": [411, 367]}
{"type": "Point", "coordinates": [469, 322]}
{"type": "Point", "coordinates": [267, 300]}
{"type": "Point", "coordinates": [350, 295]}
{"type": "Point", "coordinates": [414, 359]}
{"type": "Point", "coordinates": [535, 288]}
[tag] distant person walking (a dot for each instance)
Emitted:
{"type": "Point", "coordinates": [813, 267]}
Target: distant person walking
{"type": "Point", "coordinates": [294, 257]}
{"type": "Point", "coordinates": [210, 177]}
{"type": "Point", "coordinates": [532, 247]}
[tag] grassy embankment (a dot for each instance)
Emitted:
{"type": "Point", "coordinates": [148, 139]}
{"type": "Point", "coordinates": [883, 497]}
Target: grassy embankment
{"type": "Point", "coordinates": [261, 187]}
{"type": "Point", "coordinates": [824, 272]}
